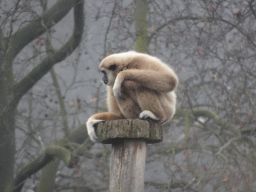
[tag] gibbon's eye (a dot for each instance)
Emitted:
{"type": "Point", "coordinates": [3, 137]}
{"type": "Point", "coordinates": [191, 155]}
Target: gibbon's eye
{"type": "Point", "coordinates": [112, 67]}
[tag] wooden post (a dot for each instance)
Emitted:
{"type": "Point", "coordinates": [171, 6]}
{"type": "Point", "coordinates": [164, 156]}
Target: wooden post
{"type": "Point", "coordinates": [128, 157]}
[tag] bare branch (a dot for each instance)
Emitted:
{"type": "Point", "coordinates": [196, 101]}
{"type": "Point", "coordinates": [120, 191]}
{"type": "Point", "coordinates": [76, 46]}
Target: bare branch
{"type": "Point", "coordinates": [251, 8]}
{"type": "Point", "coordinates": [60, 151]}
{"type": "Point", "coordinates": [37, 27]}
{"type": "Point", "coordinates": [38, 72]}
{"type": "Point", "coordinates": [49, 154]}
{"type": "Point", "coordinates": [213, 116]}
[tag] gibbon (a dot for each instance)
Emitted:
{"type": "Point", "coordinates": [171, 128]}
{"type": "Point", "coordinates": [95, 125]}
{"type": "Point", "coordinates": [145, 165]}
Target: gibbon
{"type": "Point", "coordinates": [139, 86]}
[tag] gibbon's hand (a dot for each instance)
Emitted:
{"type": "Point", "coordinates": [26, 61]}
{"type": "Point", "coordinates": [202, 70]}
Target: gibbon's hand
{"type": "Point", "coordinates": [91, 125]}
{"type": "Point", "coordinates": [117, 89]}
{"type": "Point", "coordinates": [118, 94]}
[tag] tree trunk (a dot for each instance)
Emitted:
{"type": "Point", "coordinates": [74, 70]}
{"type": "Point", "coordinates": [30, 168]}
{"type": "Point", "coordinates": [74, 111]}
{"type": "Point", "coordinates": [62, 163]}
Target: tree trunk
{"type": "Point", "coordinates": [7, 148]}
{"type": "Point", "coordinates": [7, 133]}
{"type": "Point", "coordinates": [141, 26]}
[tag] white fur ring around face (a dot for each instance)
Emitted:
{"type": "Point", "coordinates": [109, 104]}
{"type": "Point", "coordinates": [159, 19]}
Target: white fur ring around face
{"type": "Point", "coordinates": [146, 114]}
{"type": "Point", "coordinates": [91, 129]}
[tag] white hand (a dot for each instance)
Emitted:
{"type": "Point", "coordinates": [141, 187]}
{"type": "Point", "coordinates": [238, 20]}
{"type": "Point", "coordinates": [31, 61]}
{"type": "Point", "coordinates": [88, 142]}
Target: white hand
{"type": "Point", "coordinates": [117, 89]}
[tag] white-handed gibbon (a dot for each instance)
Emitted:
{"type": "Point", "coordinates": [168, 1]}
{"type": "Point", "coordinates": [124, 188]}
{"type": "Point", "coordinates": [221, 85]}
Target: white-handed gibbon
{"type": "Point", "coordinates": [139, 86]}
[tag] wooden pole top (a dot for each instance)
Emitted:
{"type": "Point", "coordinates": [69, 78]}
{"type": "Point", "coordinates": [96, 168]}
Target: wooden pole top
{"type": "Point", "coordinates": [113, 131]}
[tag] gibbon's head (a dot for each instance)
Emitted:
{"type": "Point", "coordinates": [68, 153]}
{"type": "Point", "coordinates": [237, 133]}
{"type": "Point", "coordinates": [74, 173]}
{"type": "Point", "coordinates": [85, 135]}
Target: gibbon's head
{"type": "Point", "coordinates": [111, 65]}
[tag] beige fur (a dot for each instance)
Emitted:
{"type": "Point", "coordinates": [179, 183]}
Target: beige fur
{"type": "Point", "coordinates": [140, 86]}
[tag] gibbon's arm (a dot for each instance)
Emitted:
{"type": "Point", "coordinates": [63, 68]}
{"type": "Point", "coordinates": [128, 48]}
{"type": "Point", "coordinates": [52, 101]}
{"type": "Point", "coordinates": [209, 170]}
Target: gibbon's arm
{"type": "Point", "coordinates": [161, 81]}
{"type": "Point", "coordinates": [112, 103]}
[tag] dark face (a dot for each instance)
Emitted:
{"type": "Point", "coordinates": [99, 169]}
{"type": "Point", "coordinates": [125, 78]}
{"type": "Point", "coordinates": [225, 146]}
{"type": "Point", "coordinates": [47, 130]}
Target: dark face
{"type": "Point", "coordinates": [105, 77]}
{"type": "Point", "coordinates": [109, 74]}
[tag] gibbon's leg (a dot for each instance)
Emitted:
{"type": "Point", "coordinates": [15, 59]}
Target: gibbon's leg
{"type": "Point", "coordinates": [129, 108]}
{"type": "Point", "coordinates": [94, 120]}
{"type": "Point", "coordinates": [128, 105]}
{"type": "Point", "coordinates": [151, 106]}
{"type": "Point", "coordinates": [161, 81]}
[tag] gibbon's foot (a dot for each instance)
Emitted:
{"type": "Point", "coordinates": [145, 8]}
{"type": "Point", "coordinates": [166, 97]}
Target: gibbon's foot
{"type": "Point", "coordinates": [91, 125]}
{"type": "Point", "coordinates": [148, 115]}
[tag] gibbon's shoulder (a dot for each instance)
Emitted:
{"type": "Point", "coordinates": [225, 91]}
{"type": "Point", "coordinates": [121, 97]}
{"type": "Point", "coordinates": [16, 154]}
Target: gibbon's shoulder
{"type": "Point", "coordinates": [133, 58]}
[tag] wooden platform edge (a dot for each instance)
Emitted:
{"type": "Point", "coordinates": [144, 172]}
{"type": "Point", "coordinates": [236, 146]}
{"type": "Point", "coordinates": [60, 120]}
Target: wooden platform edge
{"type": "Point", "coordinates": [113, 131]}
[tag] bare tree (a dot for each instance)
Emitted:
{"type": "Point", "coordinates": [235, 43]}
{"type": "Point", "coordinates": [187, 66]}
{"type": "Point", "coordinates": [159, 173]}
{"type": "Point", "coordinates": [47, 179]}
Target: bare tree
{"type": "Point", "coordinates": [12, 42]}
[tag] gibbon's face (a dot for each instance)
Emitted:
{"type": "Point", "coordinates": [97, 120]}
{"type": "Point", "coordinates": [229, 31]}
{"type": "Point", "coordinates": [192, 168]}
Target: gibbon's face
{"type": "Point", "coordinates": [110, 67]}
{"type": "Point", "coordinates": [109, 74]}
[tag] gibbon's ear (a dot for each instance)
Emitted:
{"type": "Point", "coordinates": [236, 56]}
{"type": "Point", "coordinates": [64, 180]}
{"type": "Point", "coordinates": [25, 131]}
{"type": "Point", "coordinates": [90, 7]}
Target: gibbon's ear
{"type": "Point", "coordinates": [112, 67]}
